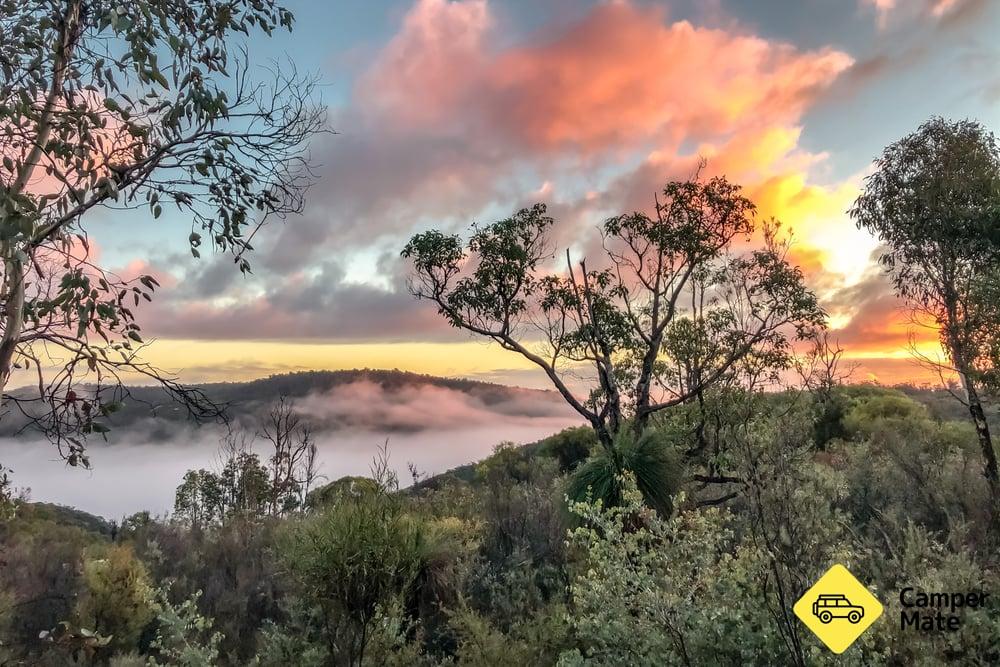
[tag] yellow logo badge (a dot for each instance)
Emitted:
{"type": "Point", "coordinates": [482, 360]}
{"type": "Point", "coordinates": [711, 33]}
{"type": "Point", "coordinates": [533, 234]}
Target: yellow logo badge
{"type": "Point", "coordinates": [838, 609]}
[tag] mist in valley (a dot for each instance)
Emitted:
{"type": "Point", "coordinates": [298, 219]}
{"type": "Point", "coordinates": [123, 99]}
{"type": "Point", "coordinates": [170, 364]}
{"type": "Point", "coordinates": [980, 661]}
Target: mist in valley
{"type": "Point", "coordinates": [434, 428]}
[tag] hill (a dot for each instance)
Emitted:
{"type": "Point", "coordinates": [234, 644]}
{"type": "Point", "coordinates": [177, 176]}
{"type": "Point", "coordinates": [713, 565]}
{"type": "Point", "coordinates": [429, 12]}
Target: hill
{"type": "Point", "coordinates": [396, 401]}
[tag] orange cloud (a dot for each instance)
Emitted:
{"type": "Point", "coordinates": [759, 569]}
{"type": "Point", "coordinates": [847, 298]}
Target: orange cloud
{"type": "Point", "coordinates": [616, 79]}
{"type": "Point", "coordinates": [870, 320]}
{"type": "Point", "coordinates": [623, 80]}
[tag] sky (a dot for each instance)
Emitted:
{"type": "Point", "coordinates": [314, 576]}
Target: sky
{"type": "Point", "coordinates": [461, 111]}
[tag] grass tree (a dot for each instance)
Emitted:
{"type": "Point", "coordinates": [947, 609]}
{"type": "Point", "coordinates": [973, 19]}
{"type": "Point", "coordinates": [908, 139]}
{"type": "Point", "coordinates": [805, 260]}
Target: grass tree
{"type": "Point", "coordinates": [138, 105]}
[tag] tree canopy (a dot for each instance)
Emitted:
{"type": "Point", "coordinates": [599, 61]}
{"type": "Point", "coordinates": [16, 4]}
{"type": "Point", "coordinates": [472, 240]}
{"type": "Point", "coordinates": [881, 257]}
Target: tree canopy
{"type": "Point", "coordinates": [677, 301]}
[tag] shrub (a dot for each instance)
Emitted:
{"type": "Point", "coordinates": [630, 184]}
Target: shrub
{"type": "Point", "coordinates": [349, 561]}
{"type": "Point", "coordinates": [365, 556]}
{"type": "Point", "coordinates": [570, 447]}
{"type": "Point", "coordinates": [184, 638]}
{"type": "Point", "coordinates": [117, 598]}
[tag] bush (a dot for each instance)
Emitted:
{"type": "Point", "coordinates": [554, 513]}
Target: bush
{"type": "Point", "coordinates": [364, 557]}
{"type": "Point", "coordinates": [892, 410]}
{"type": "Point", "coordinates": [351, 560]}
{"type": "Point", "coordinates": [570, 447]}
{"type": "Point", "coordinates": [184, 638]}
{"type": "Point", "coordinates": [117, 598]}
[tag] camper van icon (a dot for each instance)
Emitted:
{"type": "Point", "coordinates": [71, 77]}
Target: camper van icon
{"type": "Point", "coordinates": [828, 607]}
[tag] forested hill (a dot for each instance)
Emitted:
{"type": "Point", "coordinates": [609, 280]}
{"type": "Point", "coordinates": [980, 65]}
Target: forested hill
{"type": "Point", "coordinates": [331, 399]}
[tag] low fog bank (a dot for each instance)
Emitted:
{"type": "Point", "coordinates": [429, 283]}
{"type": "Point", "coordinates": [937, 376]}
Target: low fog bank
{"type": "Point", "coordinates": [127, 478]}
{"type": "Point", "coordinates": [370, 406]}
{"type": "Point", "coordinates": [375, 400]}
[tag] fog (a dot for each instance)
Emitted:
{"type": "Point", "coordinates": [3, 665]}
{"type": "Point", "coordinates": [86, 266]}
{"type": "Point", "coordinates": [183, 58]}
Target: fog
{"type": "Point", "coordinates": [432, 427]}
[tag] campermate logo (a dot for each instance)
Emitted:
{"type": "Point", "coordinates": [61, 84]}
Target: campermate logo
{"type": "Point", "coordinates": [838, 609]}
{"type": "Point", "coordinates": [936, 612]}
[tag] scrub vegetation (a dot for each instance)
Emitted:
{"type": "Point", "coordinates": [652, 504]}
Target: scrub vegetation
{"type": "Point", "coordinates": [496, 565]}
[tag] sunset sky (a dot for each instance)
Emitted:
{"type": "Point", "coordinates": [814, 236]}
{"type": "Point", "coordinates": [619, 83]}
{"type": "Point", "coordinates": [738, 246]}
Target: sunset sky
{"type": "Point", "coordinates": [454, 112]}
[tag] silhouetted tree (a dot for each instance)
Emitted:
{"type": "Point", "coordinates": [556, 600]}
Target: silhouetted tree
{"type": "Point", "coordinates": [671, 307]}
{"type": "Point", "coordinates": [292, 464]}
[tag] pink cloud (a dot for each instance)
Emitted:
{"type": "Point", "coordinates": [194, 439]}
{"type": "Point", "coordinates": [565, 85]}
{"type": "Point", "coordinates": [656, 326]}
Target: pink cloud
{"type": "Point", "coordinates": [934, 9]}
{"type": "Point", "coordinates": [366, 404]}
{"type": "Point", "coordinates": [619, 82]}
{"type": "Point", "coordinates": [450, 111]}
{"type": "Point", "coordinates": [615, 79]}
{"type": "Point", "coordinates": [422, 74]}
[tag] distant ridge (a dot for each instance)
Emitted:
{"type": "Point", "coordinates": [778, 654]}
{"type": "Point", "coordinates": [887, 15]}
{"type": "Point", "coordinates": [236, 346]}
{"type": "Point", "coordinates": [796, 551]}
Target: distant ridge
{"type": "Point", "coordinates": [152, 410]}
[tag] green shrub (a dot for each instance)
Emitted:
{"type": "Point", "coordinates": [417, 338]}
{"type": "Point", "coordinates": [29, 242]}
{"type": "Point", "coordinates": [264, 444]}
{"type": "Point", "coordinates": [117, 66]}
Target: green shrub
{"type": "Point", "coordinates": [117, 598]}
{"type": "Point", "coordinates": [871, 413]}
{"type": "Point", "coordinates": [570, 447]}
{"type": "Point", "coordinates": [184, 638]}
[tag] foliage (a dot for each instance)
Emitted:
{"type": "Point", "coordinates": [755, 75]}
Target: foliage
{"type": "Point", "coordinates": [150, 106]}
{"type": "Point", "coordinates": [493, 571]}
{"type": "Point", "coordinates": [352, 560]}
{"type": "Point", "coordinates": [699, 587]}
{"type": "Point", "coordinates": [651, 459]}
{"type": "Point", "coordinates": [917, 559]}
{"type": "Point", "coordinates": [933, 200]}
{"type": "Point", "coordinates": [532, 640]}
{"type": "Point", "coordinates": [117, 598]}
{"type": "Point", "coordinates": [625, 322]}
{"type": "Point", "coordinates": [246, 488]}
{"type": "Point", "coordinates": [521, 528]}
{"type": "Point", "coordinates": [571, 446]}
{"type": "Point", "coordinates": [340, 489]}
{"type": "Point", "coordinates": [183, 636]}
{"type": "Point", "coordinates": [875, 412]}
{"type": "Point", "coordinates": [642, 580]}
{"type": "Point", "coordinates": [241, 490]}
{"type": "Point", "coordinates": [6, 500]}
{"type": "Point", "coordinates": [199, 497]}
{"type": "Point", "coordinates": [231, 570]}
{"type": "Point", "coordinates": [906, 468]}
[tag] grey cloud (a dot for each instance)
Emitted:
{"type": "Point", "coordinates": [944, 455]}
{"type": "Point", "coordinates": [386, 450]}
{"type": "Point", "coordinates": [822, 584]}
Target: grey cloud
{"type": "Point", "coordinates": [301, 306]}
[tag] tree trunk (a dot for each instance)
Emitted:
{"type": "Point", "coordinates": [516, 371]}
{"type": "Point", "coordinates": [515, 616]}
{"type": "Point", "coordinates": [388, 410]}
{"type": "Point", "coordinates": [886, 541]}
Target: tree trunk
{"type": "Point", "coordinates": [13, 313]}
{"type": "Point", "coordinates": [985, 440]}
{"type": "Point", "coordinates": [12, 256]}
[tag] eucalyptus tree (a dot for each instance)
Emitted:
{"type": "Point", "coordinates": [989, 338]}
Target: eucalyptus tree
{"type": "Point", "coordinates": [690, 297]}
{"type": "Point", "coordinates": [143, 105]}
{"type": "Point", "coordinates": [934, 202]}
